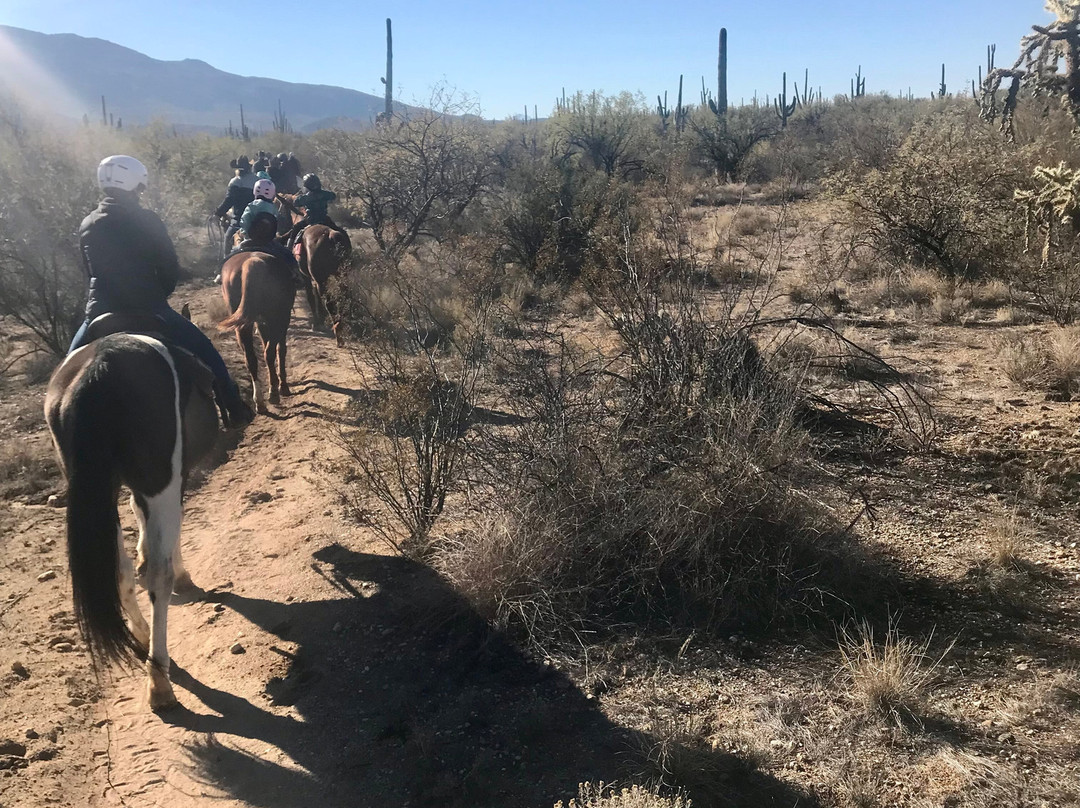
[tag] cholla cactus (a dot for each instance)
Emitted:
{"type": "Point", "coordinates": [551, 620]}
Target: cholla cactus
{"type": "Point", "coordinates": [1041, 54]}
{"type": "Point", "coordinates": [1054, 204]}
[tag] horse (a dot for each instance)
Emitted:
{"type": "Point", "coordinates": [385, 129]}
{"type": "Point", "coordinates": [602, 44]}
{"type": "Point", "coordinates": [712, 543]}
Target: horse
{"type": "Point", "coordinates": [259, 290]}
{"type": "Point", "coordinates": [128, 409]}
{"type": "Point", "coordinates": [321, 252]}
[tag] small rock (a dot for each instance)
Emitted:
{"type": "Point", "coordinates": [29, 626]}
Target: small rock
{"type": "Point", "coordinates": [32, 734]}
{"type": "Point", "coordinates": [10, 747]}
{"type": "Point", "coordinates": [259, 497]}
{"type": "Point", "coordinates": [1023, 666]}
{"type": "Point", "coordinates": [57, 501]}
{"type": "Point", "coordinates": [48, 753]}
{"type": "Point", "coordinates": [20, 670]}
{"type": "Point", "coordinates": [237, 648]}
{"type": "Point", "coordinates": [776, 743]}
{"type": "Point", "coordinates": [219, 607]}
{"type": "Point", "coordinates": [1006, 737]}
{"type": "Point", "coordinates": [725, 699]}
{"type": "Point", "coordinates": [64, 647]}
{"type": "Point", "coordinates": [75, 701]}
{"type": "Point", "coordinates": [12, 762]}
{"type": "Point", "coordinates": [48, 575]}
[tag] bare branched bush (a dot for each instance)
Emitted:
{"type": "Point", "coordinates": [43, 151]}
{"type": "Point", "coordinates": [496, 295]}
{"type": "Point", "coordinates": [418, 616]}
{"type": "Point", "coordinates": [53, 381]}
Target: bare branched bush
{"type": "Point", "coordinates": [413, 177]}
{"type": "Point", "coordinates": [409, 452]}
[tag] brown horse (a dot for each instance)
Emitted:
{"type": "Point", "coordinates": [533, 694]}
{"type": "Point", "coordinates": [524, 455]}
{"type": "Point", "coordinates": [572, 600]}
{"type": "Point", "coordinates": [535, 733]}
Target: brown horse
{"type": "Point", "coordinates": [323, 253]}
{"type": "Point", "coordinates": [259, 291]}
{"type": "Point", "coordinates": [128, 409]}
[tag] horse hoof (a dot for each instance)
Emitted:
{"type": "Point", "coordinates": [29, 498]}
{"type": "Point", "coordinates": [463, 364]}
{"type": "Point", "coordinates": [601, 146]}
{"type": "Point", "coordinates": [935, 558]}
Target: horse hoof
{"type": "Point", "coordinates": [183, 583]}
{"type": "Point", "coordinates": [262, 409]}
{"type": "Point", "coordinates": [162, 698]}
{"type": "Point", "coordinates": [275, 398]}
{"type": "Point", "coordinates": [285, 391]}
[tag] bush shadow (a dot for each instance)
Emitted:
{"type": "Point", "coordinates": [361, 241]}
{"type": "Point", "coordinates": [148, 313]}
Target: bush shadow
{"type": "Point", "coordinates": [401, 694]}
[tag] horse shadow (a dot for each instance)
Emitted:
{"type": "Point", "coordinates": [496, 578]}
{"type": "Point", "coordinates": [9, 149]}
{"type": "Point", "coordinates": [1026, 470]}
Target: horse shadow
{"type": "Point", "coordinates": [401, 694]}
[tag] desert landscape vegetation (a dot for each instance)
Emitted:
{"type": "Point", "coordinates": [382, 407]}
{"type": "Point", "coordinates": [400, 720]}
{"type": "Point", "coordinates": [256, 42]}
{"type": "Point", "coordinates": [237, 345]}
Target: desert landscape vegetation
{"type": "Point", "coordinates": [704, 455]}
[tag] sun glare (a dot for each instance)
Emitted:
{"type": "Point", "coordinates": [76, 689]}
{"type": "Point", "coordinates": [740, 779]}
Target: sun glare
{"type": "Point", "coordinates": [32, 85]}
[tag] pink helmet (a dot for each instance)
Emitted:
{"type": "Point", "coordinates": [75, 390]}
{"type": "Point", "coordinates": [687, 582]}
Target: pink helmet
{"type": "Point", "coordinates": [265, 189]}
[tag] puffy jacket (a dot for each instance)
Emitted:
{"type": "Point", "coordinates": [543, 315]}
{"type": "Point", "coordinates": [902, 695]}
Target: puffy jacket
{"type": "Point", "coordinates": [253, 210]}
{"type": "Point", "coordinates": [239, 195]}
{"type": "Point", "coordinates": [316, 203]}
{"type": "Point", "coordinates": [128, 255]}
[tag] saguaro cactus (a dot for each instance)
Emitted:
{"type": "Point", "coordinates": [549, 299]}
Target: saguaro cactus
{"type": "Point", "coordinates": [721, 76]}
{"type": "Point", "coordinates": [942, 88]}
{"type": "Point", "coordinates": [784, 110]}
{"type": "Point", "coordinates": [858, 84]}
{"type": "Point", "coordinates": [388, 79]}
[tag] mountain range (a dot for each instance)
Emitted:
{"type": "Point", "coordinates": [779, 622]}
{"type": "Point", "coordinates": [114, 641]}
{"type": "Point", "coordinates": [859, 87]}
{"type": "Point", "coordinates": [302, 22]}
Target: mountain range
{"type": "Point", "coordinates": [190, 93]}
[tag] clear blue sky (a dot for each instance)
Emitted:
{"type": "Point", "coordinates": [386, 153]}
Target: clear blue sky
{"type": "Point", "coordinates": [517, 53]}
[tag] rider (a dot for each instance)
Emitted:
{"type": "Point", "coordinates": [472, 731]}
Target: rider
{"type": "Point", "coordinates": [262, 207]}
{"type": "Point", "coordinates": [315, 202]}
{"type": "Point", "coordinates": [238, 197]}
{"type": "Point", "coordinates": [133, 268]}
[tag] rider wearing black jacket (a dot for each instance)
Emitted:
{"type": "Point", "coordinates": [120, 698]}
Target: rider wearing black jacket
{"type": "Point", "coordinates": [132, 266]}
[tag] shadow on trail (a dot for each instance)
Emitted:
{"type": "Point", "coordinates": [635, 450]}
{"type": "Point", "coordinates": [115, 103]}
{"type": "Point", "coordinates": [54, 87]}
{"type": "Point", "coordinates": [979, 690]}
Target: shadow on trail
{"type": "Point", "coordinates": [404, 696]}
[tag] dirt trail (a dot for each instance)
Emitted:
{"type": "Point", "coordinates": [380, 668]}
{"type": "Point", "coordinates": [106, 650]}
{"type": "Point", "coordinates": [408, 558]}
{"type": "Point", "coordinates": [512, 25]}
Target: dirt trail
{"type": "Point", "coordinates": [313, 667]}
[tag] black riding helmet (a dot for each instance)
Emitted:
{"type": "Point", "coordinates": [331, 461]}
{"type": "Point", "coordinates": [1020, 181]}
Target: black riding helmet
{"type": "Point", "coordinates": [312, 183]}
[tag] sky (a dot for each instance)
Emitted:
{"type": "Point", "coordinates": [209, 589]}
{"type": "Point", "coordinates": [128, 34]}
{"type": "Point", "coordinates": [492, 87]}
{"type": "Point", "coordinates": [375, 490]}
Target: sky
{"type": "Point", "coordinates": [511, 55]}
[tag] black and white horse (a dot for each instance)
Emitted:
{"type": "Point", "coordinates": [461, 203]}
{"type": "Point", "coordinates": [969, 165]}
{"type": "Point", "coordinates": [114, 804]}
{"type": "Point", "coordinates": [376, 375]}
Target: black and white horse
{"type": "Point", "coordinates": [128, 409]}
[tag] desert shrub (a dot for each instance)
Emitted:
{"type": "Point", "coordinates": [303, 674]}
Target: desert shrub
{"type": "Point", "coordinates": [603, 133]}
{"type": "Point", "coordinates": [657, 482]}
{"type": "Point", "coordinates": [412, 178]}
{"type": "Point", "coordinates": [49, 186]}
{"type": "Point", "coordinates": [945, 201]}
{"type": "Point", "coordinates": [424, 350]}
{"type": "Point", "coordinates": [549, 212]}
{"type": "Point", "coordinates": [724, 143]}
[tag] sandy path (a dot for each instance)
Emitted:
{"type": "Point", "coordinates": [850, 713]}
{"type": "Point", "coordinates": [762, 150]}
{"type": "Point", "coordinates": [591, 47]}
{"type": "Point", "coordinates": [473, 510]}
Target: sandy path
{"type": "Point", "coordinates": [362, 679]}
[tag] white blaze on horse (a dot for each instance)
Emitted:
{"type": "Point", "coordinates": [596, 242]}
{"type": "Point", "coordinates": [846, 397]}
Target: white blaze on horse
{"type": "Point", "coordinates": [128, 409]}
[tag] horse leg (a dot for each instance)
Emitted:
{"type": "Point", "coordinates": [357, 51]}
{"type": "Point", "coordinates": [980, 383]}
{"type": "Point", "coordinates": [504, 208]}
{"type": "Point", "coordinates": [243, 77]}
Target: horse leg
{"type": "Point", "coordinates": [159, 526]}
{"type": "Point", "coordinates": [136, 621]}
{"type": "Point", "coordinates": [313, 300]}
{"type": "Point", "coordinates": [245, 335]}
{"type": "Point", "coordinates": [181, 577]}
{"type": "Point", "coordinates": [285, 391]}
{"type": "Point", "coordinates": [269, 353]}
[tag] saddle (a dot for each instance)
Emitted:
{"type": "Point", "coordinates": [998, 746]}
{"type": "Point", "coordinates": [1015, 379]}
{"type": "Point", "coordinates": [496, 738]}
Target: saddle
{"type": "Point", "coordinates": [150, 325]}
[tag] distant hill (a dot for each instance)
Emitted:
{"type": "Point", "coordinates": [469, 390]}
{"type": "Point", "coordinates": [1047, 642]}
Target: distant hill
{"type": "Point", "coordinates": [189, 93]}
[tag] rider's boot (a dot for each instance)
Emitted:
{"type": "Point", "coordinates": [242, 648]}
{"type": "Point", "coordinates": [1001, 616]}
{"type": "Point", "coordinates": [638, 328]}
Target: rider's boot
{"type": "Point", "coordinates": [235, 412]}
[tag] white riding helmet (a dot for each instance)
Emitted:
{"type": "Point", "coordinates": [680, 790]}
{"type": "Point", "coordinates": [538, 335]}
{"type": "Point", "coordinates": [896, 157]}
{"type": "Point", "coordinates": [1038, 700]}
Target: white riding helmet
{"type": "Point", "coordinates": [265, 189]}
{"type": "Point", "coordinates": [123, 173]}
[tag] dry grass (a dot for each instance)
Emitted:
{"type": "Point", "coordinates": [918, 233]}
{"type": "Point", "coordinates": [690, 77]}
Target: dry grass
{"type": "Point", "coordinates": [1051, 362]}
{"type": "Point", "coordinates": [25, 469]}
{"type": "Point", "coordinates": [599, 795]}
{"type": "Point", "coordinates": [1008, 537]}
{"type": "Point", "coordinates": [917, 287]}
{"type": "Point", "coordinates": [889, 680]}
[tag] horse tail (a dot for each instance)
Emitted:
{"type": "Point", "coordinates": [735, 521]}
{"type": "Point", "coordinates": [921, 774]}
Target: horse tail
{"type": "Point", "coordinates": [240, 318]}
{"type": "Point", "coordinates": [93, 527]}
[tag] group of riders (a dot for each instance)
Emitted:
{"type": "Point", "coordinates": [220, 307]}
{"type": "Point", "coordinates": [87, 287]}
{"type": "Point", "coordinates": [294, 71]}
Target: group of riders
{"type": "Point", "coordinates": [251, 194]}
{"type": "Point", "coordinates": [132, 264]}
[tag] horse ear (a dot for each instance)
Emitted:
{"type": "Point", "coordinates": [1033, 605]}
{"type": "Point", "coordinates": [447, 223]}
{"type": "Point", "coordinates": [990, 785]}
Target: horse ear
{"type": "Point", "coordinates": [186, 312]}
